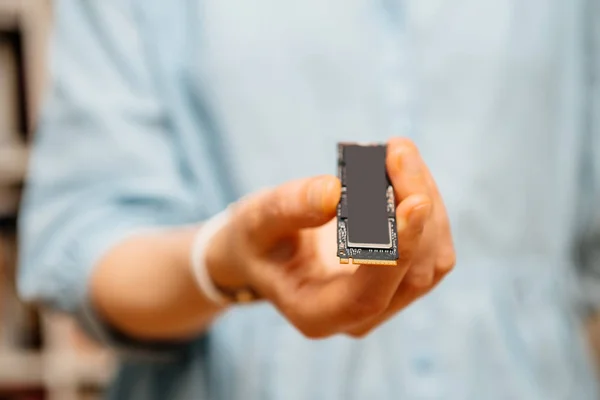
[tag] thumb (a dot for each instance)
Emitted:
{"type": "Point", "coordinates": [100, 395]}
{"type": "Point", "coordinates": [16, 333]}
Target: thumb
{"type": "Point", "coordinates": [274, 214]}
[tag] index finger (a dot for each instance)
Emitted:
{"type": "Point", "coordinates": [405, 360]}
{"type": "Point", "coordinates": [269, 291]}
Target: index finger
{"type": "Point", "coordinates": [406, 169]}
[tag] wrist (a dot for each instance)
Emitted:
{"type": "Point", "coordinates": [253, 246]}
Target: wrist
{"type": "Point", "coordinates": [221, 263]}
{"type": "Point", "coordinates": [215, 267]}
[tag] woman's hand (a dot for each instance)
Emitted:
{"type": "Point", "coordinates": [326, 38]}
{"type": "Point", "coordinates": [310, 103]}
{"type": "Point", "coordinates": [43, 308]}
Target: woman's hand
{"type": "Point", "coordinates": [282, 243]}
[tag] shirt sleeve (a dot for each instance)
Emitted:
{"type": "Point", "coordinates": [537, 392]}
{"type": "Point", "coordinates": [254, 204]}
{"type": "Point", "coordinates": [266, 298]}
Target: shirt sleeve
{"type": "Point", "coordinates": [589, 246]}
{"type": "Point", "coordinates": [104, 164]}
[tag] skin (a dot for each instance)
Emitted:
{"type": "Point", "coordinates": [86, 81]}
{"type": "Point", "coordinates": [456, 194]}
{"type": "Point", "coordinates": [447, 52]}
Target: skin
{"type": "Point", "coordinates": [283, 250]}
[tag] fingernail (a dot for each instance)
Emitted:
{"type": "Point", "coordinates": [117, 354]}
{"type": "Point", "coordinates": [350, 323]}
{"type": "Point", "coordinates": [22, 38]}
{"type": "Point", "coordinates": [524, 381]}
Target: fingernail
{"type": "Point", "coordinates": [408, 160]}
{"type": "Point", "coordinates": [317, 192]}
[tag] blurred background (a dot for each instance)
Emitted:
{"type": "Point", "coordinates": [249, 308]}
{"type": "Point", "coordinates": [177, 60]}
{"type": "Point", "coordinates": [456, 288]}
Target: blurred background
{"type": "Point", "coordinates": [42, 356]}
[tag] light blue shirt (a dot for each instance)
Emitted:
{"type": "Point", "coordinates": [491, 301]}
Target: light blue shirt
{"type": "Point", "coordinates": [162, 112]}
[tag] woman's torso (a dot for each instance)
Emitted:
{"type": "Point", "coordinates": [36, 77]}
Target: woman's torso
{"type": "Point", "coordinates": [259, 93]}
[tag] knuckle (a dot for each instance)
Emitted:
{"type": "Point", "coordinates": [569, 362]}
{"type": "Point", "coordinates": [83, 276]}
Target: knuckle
{"type": "Point", "coordinates": [359, 333]}
{"type": "Point", "coordinates": [248, 212]}
{"type": "Point", "coordinates": [252, 222]}
{"type": "Point", "coordinates": [446, 262]}
{"type": "Point", "coordinates": [314, 332]}
{"type": "Point", "coordinates": [421, 280]}
{"type": "Point", "coordinates": [287, 305]}
{"type": "Point", "coordinates": [417, 230]}
{"type": "Point", "coordinates": [257, 213]}
{"type": "Point", "coordinates": [405, 256]}
{"type": "Point", "coordinates": [273, 294]}
{"type": "Point", "coordinates": [273, 207]}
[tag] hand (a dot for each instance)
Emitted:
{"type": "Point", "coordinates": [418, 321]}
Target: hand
{"type": "Point", "coordinates": [282, 243]}
{"type": "Point", "coordinates": [592, 328]}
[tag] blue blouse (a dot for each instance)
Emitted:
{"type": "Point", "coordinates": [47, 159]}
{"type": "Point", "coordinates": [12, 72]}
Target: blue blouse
{"type": "Point", "coordinates": [162, 112]}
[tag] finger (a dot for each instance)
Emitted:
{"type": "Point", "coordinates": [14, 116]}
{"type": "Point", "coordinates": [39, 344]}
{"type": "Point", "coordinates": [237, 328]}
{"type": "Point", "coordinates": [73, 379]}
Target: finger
{"type": "Point", "coordinates": [268, 217]}
{"type": "Point", "coordinates": [321, 308]}
{"type": "Point", "coordinates": [446, 256]}
{"type": "Point", "coordinates": [410, 240]}
{"type": "Point", "coordinates": [406, 169]}
{"type": "Point", "coordinates": [409, 173]}
{"type": "Point", "coordinates": [413, 254]}
{"type": "Point", "coordinates": [435, 257]}
{"type": "Point", "coordinates": [436, 263]}
{"type": "Point", "coordinates": [422, 270]}
{"type": "Point", "coordinates": [404, 297]}
{"type": "Point", "coordinates": [436, 254]}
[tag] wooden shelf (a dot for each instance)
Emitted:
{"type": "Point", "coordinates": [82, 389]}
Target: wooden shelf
{"type": "Point", "coordinates": [65, 365]}
{"type": "Point", "coordinates": [13, 163]}
{"type": "Point", "coordinates": [21, 369]}
{"type": "Point", "coordinates": [55, 370]}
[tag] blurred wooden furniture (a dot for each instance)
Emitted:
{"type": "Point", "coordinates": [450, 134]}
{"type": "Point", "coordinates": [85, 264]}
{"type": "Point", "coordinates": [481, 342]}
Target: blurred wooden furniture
{"type": "Point", "coordinates": [42, 354]}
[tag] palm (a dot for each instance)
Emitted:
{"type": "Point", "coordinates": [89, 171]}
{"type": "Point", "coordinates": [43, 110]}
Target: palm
{"type": "Point", "coordinates": [315, 256]}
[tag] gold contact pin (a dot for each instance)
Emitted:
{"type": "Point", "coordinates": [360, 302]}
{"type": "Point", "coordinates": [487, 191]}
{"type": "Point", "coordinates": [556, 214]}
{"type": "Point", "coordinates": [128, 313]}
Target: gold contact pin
{"type": "Point", "coordinates": [375, 262]}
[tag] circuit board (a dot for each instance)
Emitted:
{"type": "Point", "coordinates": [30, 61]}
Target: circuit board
{"type": "Point", "coordinates": [366, 218]}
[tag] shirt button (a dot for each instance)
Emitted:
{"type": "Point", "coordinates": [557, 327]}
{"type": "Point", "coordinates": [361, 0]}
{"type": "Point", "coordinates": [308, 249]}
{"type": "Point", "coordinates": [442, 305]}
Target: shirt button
{"type": "Point", "coordinates": [423, 365]}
